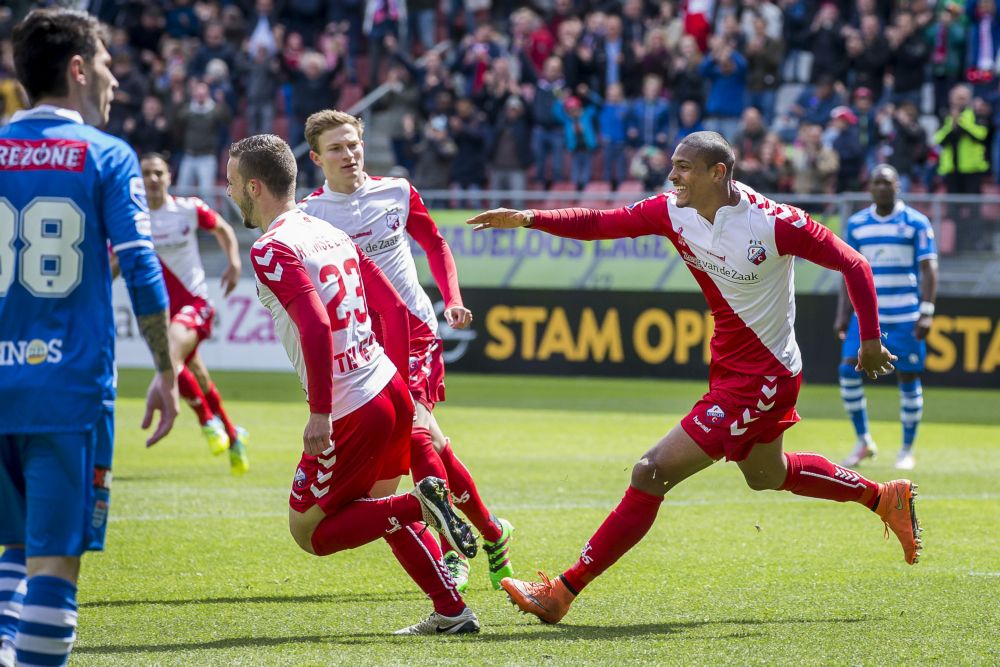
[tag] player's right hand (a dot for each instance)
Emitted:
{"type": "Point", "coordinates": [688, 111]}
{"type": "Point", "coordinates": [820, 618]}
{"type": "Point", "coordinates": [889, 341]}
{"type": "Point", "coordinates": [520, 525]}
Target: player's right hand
{"type": "Point", "coordinates": [162, 396]}
{"type": "Point", "coordinates": [500, 218]}
{"type": "Point", "coordinates": [318, 434]}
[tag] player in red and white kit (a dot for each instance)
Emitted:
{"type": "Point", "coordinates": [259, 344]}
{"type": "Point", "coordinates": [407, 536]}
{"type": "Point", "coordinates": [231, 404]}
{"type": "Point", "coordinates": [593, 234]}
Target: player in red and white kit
{"type": "Point", "coordinates": [741, 248]}
{"type": "Point", "coordinates": [381, 215]}
{"type": "Point", "coordinates": [175, 222]}
{"type": "Point", "coordinates": [329, 301]}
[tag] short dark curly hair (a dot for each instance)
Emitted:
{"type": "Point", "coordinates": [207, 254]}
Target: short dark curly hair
{"type": "Point", "coordinates": [44, 43]}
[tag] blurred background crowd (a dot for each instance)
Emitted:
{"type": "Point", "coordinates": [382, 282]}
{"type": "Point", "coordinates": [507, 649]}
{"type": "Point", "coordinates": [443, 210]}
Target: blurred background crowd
{"type": "Point", "coordinates": [514, 95]}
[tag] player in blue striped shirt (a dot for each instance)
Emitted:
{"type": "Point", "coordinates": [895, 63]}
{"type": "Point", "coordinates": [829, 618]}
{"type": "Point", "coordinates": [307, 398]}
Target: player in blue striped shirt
{"type": "Point", "coordinates": [898, 242]}
{"type": "Point", "coordinates": [68, 192]}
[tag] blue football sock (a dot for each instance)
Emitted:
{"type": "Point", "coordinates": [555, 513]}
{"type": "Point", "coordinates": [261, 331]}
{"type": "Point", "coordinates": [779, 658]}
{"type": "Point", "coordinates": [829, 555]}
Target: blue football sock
{"type": "Point", "coordinates": [47, 629]}
{"type": "Point", "coordinates": [13, 584]}
{"type": "Point", "coordinates": [911, 409]}
{"type": "Point", "coordinates": [852, 393]}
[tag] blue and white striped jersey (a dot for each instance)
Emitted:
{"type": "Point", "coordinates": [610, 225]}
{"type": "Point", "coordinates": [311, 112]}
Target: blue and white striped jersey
{"type": "Point", "coordinates": [894, 246]}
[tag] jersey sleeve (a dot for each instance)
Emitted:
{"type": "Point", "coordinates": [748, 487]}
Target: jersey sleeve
{"type": "Point", "coordinates": [278, 267]}
{"type": "Point", "coordinates": [125, 215]}
{"type": "Point", "coordinates": [281, 271]}
{"type": "Point", "coordinates": [421, 227]}
{"type": "Point", "coordinates": [123, 201]}
{"type": "Point", "coordinates": [648, 216]}
{"type": "Point", "coordinates": [390, 316]}
{"type": "Point", "coordinates": [926, 245]}
{"type": "Point", "coordinates": [795, 233]}
{"type": "Point", "coordinates": [207, 218]}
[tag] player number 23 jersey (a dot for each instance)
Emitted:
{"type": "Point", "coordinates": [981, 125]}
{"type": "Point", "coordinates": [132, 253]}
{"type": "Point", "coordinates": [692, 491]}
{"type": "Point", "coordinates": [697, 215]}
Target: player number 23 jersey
{"type": "Point", "coordinates": [300, 254]}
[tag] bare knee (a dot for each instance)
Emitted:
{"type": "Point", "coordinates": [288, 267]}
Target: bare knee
{"type": "Point", "coordinates": [62, 567]}
{"type": "Point", "coordinates": [647, 476]}
{"type": "Point", "coordinates": [763, 480]}
{"type": "Point", "coordinates": [302, 525]}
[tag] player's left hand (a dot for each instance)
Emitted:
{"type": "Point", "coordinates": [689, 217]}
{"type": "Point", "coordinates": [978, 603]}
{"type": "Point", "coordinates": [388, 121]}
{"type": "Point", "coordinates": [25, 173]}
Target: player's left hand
{"type": "Point", "coordinates": [230, 277]}
{"type": "Point", "coordinates": [874, 359]}
{"type": "Point", "coordinates": [319, 431]}
{"type": "Point", "coordinates": [161, 397]}
{"type": "Point", "coordinates": [500, 218]}
{"type": "Point", "coordinates": [458, 317]}
{"type": "Point", "coordinates": [922, 326]}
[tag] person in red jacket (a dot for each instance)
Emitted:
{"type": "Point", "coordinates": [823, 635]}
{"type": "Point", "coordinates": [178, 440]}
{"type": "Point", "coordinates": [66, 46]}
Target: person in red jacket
{"type": "Point", "coordinates": [740, 247]}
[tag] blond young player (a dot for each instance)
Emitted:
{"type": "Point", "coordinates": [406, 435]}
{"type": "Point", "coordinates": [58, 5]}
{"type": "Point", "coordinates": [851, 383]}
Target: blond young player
{"type": "Point", "coordinates": [382, 215]}
{"type": "Point", "coordinates": [330, 303]}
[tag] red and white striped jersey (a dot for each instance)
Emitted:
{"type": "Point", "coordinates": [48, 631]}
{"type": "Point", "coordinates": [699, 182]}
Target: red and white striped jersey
{"type": "Point", "coordinates": [378, 216]}
{"type": "Point", "coordinates": [174, 231]}
{"type": "Point", "coordinates": [310, 276]}
{"type": "Point", "coordinates": [744, 264]}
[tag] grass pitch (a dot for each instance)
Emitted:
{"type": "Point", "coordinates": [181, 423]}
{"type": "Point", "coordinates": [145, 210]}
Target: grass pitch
{"type": "Point", "coordinates": [200, 569]}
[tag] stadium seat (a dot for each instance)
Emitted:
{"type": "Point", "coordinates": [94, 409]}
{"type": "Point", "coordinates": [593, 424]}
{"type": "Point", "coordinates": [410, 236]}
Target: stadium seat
{"type": "Point", "coordinates": [946, 237]}
{"type": "Point", "coordinates": [786, 96]}
{"type": "Point", "coordinates": [602, 188]}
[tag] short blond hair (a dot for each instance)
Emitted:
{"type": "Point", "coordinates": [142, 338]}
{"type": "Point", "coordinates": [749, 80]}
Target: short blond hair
{"type": "Point", "coordinates": [321, 121]}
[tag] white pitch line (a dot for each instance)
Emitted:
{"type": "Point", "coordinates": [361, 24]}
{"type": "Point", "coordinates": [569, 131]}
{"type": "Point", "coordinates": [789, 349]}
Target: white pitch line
{"type": "Point", "coordinates": [607, 504]}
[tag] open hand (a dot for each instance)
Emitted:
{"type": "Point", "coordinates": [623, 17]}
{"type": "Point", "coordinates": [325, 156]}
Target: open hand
{"type": "Point", "coordinates": [500, 218]}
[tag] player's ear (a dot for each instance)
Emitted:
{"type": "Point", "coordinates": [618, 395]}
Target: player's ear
{"type": "Point", "coordinates": [76, 71]}
{"type": "Point", "coordinates": [314, 156]}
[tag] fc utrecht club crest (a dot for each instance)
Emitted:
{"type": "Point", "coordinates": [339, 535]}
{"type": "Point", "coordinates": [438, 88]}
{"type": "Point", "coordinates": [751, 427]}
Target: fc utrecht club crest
{"type": "Point", "coordinates": [393, 219]}
{"type": "Point", "coordinates": [716, 414]}
{"type": "Point", "coordinates": [756, 253]}
{"type": "Point", "coordinates": [300, 478]}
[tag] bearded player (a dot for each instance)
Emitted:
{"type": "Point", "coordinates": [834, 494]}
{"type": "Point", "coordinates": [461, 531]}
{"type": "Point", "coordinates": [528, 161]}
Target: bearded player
{"type": "Point", "coordinates": [175, 222]}
{"type": "Point", "coordinates": [328, 300]}
{"type": "Point", "coordinates": [741, 248]}
{"type": "Point", "coordinates": [380, 214]}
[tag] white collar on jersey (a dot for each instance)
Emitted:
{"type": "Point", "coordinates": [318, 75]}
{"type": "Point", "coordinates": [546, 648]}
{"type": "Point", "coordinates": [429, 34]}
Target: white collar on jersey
{"type": "Point", "coordinates": [340, 195]}
{"type": "Point", "coordinates": [47, 111]}
{"type": "Point", "coordinates": [896, 210]}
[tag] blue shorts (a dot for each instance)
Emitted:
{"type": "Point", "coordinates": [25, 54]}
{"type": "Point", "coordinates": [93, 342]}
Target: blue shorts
{"type": "Point", "coordinates": [898, 339]}
{"type": "Point", "coordinates": [55, 489]}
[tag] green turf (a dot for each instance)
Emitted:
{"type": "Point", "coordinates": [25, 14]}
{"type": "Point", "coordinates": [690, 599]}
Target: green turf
{"type": "Point", "coordinates": [199, 568]}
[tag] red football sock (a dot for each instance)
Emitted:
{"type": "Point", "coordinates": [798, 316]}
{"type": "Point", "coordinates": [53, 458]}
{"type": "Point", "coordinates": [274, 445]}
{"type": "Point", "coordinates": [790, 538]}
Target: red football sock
{"type": "Point", "coordinates": [215, 402]}
{"type": "Point", "coordinates": [362, 521]}
{"type": "Point", "coordinates": [424, 461]}
{"type": "Point", "coordinates": [817, 477]}
{"type": "Point", "coordinates": [622, 530]}
{"type": "Point", "coordinates": [418, 553]}
{"type": "Point", "coordinates": [191, 392]}
{"type": "Point", "coordinates": [466, 496]}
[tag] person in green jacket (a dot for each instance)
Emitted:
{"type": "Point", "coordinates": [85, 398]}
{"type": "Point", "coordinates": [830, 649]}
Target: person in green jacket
{"type": "Point", "coordinates": [963, 161]}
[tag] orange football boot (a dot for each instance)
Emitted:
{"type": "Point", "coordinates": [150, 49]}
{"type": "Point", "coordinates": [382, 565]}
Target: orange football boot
{"type": "Point", "coordinates": [895, 507]}
{"type": "Point", "coordinates": [547, 599]}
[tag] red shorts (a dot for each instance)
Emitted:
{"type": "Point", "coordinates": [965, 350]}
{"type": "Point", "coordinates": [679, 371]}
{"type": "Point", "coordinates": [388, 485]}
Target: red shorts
{"type": "Point", "coordinates": [369, 444]}
{"type": "Point", "coordinates": [426, 371]}
{"type": "Point", "coordinates": [196, 315]}
{"type": "Point", "coordinates": [741, 410]}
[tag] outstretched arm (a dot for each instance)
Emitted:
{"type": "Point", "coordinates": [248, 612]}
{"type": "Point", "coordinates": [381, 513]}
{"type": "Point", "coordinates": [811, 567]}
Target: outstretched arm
{"type": "Point", "coordinates": [648, 216]}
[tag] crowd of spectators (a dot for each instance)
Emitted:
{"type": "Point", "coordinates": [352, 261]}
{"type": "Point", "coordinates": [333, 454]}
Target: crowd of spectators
{"type": "Point", "coordinates": [532, 94]}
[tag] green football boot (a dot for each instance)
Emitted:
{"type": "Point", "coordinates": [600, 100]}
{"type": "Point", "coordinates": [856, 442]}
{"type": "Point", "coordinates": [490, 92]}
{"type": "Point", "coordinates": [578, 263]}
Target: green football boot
{"type": "Point", "coordinates": [499, 554]}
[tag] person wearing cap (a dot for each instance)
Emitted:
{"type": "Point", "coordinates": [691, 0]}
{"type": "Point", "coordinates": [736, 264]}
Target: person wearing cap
{"type": "Point", "coordinates": [581, 138]}
{"type": "Point", "coordinates": [842, 136]}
